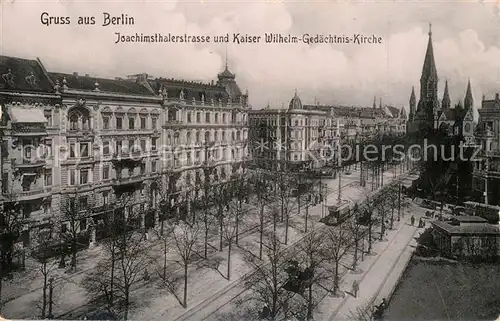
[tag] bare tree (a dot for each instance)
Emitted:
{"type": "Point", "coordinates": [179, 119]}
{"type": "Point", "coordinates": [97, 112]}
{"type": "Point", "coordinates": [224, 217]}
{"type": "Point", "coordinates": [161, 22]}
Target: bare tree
{"type": "Point", "coordinates": [229, 231]}
{"type": "Point", "coordinates": [312, 254]}
{"type": "Point", "coordinates": [260, 188]}
{"type": "Point", "coordinates": [338, 243]}
{"type": "Point", "coordinates": [286, 186]}
{"type": "Point", "coordinates": [71, 224]}
{"type": "Point", "coordinates": [362, 313]}
{"type": "Point", "coordinates": [266, 283]}
{"type": "Point", "coordinates": [164, 235]}
{"type": "Point", "coordinates": [381, 204]}
{"type": "Point", "coordinates": [11, 223]}
{"type": "Point", "coordinates": [123, 258]}
{"type": "Point", "coordinates": [185, 239]}
{"type": "Point", "coordinates": [368, 208]}
{"type": "Point", "coordinates": [44, 247]}
{"type": "Point", "coordinates": [357, 232]}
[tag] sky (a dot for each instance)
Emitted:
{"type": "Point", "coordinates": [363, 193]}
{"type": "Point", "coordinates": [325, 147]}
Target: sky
{"type": "Point", "coordinates": [465, 34]}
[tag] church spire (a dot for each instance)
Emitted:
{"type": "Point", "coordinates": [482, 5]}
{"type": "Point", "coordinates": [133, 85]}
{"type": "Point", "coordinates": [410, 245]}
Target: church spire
{"type": "Point", "coordinates": [446, 103]}
{"type": "Point", "coordinates": [380, 103]}
{"type": "Point", "coordinates": [468, 100]}
{"type": "Point", "coordinates": [413, 103]}
{"type": "Point", "coordinates": [374, 102]}
{"type": "Point", "coordinates": [429, 70]}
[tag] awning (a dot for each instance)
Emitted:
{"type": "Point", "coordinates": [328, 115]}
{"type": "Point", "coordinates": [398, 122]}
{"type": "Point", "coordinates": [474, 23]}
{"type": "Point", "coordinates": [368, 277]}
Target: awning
{"type": "Point", "coordinates": [19, 114]}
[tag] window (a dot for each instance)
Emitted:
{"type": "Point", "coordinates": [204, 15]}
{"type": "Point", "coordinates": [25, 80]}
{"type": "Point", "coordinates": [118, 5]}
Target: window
{"type": "Point", "coordinates": [84, 176]}
{"type": "Point", "coordinates": [105, 172]}
{"type": "Point", "coordinates": [143, 145]}
{"type": "Point", "coordinates": [48, 116]}
{"type": "Point", "coordinates": [73, 122]}
{"type": "Point", "coordinates": [207, 118]}
{"type": "Point", "coordinates": [84, 149]}
{"type": "Point", "coordinates": [131, 123]}
{"type": "Point", "coordinates": [189, 117]}
{"type": "Point", "coordinates": [197, 137]}
{"type": "Point", "coordinates": [118, 147]}
{"type": "Point", "coordinates": [224, 118]}
{"type": "Point", "coordinates": [130, 145]}
{"type": "Point", "coordinates": [153, 122]}
{"type": "Point", "coordinates": [467, 127]}
{"type": "Point", "coordinates": [83, 202]}
{"type": "Point", "coordinates": [105, 198]}
{"type": "Point", "coordinates": [143, 123]}
{"type": "Point", "coordinates": [189, 158]}
{"type": "Point", "coordinates": [153, 143]}
{"type": "Point", "coordinates": [224, 136]}
{"type": "Point", "coordinates": [188, 137]}
{"type": "Point", "coordinates": [72, 150]}
{"type": "Point", "coordinates": [216, 136]}
{"type": "Point", "coordinates": [83, 224]}
{"type": "Point", "coordinates": [5, 183]}
{"type": "Point", "coordinates": [197, 156]}
{"type": "Point", "coordinates": [48, 178]}
{"type": "Point", "coordinates": [72, 177]}
{"type": "Point", "coordinates": [207, 137]}
{"type": "Point", "coordinates": [105, 122]}
{"type": "Point", "coordinates": [198, 117]}
{"type": "Point", "coordinates": [143, 168]}
{"type": "Point", "coordinates": [105, 148]}
{"type": "Point", "coordinates": [153, 166]}
{"type": "Point", "coordinates": [48, 149]}
{"type": "Point", "coordinates": [119, 124]}
{"type": "Point", "coordinates": [216, 118]}
{"type": "Point", "coordinates": [64, 228]}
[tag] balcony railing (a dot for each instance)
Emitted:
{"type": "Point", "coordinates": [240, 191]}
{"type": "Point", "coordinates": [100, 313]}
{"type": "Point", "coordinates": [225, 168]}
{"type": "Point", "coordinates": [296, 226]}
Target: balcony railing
{"type": "Point", "coordinates": [28, 163]}
{"type": "Point", "coordinates": [33, 194]}
{"type": "Point", "coordinates": [119, 181]}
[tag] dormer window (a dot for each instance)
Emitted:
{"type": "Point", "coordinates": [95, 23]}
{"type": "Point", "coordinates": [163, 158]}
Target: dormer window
{"type": "Point", "coordinates": [79, 119]}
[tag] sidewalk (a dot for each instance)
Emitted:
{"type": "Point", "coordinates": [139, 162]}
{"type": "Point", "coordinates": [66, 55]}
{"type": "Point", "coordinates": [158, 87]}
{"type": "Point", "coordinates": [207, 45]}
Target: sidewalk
{"type": "Point", "coordinates": [380, 275]}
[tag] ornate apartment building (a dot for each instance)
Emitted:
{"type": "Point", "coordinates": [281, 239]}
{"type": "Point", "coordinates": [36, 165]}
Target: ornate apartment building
{"type": "Point", "coordinates": [80, 142]}
{"type": "Point", "coordinates": [308, 136]}
{"type": "Point", "coordinates": [486, 175]}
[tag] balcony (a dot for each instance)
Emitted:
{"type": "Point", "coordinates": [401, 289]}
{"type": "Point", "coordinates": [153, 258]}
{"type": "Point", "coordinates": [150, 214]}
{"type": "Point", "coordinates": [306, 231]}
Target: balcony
{"type": "Point", "coordinates": [29, 130]}
{"type": "Point", "coordinates": [33, 194]}
{"type": "Point", "coordinates": [127, 181]}
{"type": "Point", "coordinates": [27, 163]}
{"type": "Point", "coordinates": [173, 123]}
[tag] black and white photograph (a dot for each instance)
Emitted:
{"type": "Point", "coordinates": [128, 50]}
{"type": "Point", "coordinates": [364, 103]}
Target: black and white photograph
{"type": "Point", "coordinates": [256, 160]}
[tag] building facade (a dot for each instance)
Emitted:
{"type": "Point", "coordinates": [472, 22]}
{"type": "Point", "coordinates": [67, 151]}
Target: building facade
{"type": "Point", "coordinates": [73, 141]}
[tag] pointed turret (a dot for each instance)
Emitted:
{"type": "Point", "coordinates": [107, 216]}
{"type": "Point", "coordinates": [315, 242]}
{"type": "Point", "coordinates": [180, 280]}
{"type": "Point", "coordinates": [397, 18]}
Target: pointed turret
{"type": "Point", "coordinates": [446, 104]}
{"type": "Point", "coordinates": [429, 70]}
{"type": "Point", "coordinates": [374, 102]}
{"type": "Point", "coordinates": [413, 103]}
{"type": "Point", "coordinates": [380, 103]}
{"type": "Point", "coordinates": [468, 100]}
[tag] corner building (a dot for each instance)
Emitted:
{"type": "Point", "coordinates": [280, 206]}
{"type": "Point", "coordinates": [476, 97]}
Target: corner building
{"type": "Point", "coordinates": [71, 139]}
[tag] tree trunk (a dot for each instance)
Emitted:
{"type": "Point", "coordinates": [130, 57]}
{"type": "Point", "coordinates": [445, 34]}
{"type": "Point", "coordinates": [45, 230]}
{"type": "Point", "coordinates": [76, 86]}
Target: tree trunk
{"type": "Point", "coordinates": [307, 214]}
{"type": "Point", "coordinates": [392, 218]}
{"type": "Point", "coordinates": [221, 227]}
{"type": "Point", "coordinates": [237, 237]}
{"type": "Point", "coordinates": [310, 304]}
{"type": "Point", "coordinates": [261, 231]}
{"type": "Point", "coordinates": [370, 225]}
{"type": "Point", "coordinates": [229, 261]}
{"type": "Point", "coordinates": [382, 227]}
{"type": "Point", "coordinates": [164, 260]}
{"type": "Point", "coordinates": [44, 294]}
{"type": "Point", "coordinates": [206, 236]}
{"type": "Point", "coordinates": [286, 227]}
{"type": "Point", "coordinates": [112, 281]}
{"type": "Point", "coordinates": [127, 302]}
{"type": "Point", "coordinates": [185, 283]}
{"type": "Point", "coordinates": [355, 257]}
{"type": "Point", "coordinates": [336, 278]}
{"type": "Point", "coordinates": [73, 251]}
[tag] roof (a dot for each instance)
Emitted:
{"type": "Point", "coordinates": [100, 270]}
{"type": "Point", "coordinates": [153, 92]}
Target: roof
{"type": "Point", "coordinates": [473, 229]}
{"type": "Point", "coordinates": [394, 111]}
{"type": "Point", "coordinates": [469, 219]}
{"type": "Point", "coordinates": [295, 103]}
{"type": "Point", "coordinates": [23, 75]}
{"type": "Point", "coordinates": [429, 69]}
{"type": "Point", "coordinates": [190, 89]}
{"type": "Point", "coordinates": [80, 82]}
{"type": "Point", "coordinates": [26, 115]}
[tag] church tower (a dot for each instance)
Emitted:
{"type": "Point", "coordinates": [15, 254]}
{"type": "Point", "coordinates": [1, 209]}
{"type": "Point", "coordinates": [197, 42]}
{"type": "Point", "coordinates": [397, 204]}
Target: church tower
{"type": "Point", "coordinates": [468, 100]}
{"type": "Point", "coordinates": [428, 107]}
{"type": "Point", "coordinates": [413, 104]}
{"type": "Point", "coordinates": [446, 103]}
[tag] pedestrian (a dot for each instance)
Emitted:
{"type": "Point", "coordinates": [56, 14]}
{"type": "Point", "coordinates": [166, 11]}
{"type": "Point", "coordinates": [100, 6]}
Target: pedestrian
{"type": "Point", "coordinates": [355, 288]}
{"type": "Point", "coordinates": [412, 219]}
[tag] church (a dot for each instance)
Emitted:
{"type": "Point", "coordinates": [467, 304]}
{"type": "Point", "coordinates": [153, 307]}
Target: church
{"type": "Point", "coordinates": [431, 114]}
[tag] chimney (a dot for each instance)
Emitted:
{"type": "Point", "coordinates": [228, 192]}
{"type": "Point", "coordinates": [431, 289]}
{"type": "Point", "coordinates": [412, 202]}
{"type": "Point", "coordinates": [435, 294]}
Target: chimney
{"type": "Point", "coordinates": [75, 74]}
{"type": "Point", "coordinates": [497, 96]}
